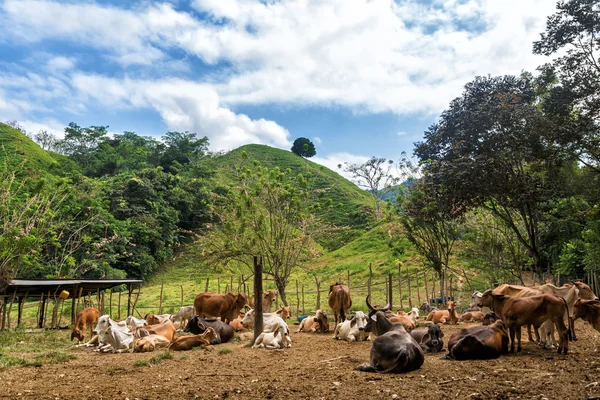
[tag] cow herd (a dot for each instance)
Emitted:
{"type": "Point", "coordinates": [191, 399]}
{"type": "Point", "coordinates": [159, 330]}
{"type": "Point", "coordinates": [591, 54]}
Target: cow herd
{"type": "Point", "coordinates": [399, 340]}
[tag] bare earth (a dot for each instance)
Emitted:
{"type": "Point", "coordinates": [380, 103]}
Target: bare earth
{"type": "Point", "coordinates": [317, 367]}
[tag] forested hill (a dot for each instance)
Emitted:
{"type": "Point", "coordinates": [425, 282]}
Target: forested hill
{"type": "Point", "coordinates": [105, 206]}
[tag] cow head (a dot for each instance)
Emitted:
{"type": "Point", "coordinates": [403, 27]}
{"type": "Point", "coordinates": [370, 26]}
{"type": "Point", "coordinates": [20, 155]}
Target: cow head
{"type": "Point", "coordinates": [240, 301]}
{"type": "Point", "coordinates": [285, 313]}
{"type": "Point", "coordinates": [143, 346]}
{"type": "Point", "coordinates": [102, 325]}
{"type": "Point", "coordinates": [248, 319]}
{"type": "Point", "coordinates": [434, 334]}
{"type": "Point", "coordinates": [209, 335]}
{"type": "Point", "coordinates": [359, 320]}
{"type": "Point", "coordinates": [585, 292]}
{"type": "Point", "coordinates": [489, 318]}
{"type": "Point", "coordinates": [195, 325]}
{"type": "Point", "coordinates": [586, 309]}
{"type": "Point", "coordinates": [414, 313]}
{"type": "Point", "coordinates": [151, 319]}
{"type": "Point", "coordinates": [77, 334]}
{"type": "Point", "coordinates": [487, 298]}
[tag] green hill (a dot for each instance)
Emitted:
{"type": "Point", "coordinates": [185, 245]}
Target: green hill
{"type": "Point", "coordinates": [17, 149]}
{"type": "Point", "coordinates": [352, 206]}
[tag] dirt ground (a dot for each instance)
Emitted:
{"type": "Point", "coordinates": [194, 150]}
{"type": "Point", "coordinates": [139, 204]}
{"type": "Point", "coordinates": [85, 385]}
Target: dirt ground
{"type": "Point", "coordinates": [317, 367]}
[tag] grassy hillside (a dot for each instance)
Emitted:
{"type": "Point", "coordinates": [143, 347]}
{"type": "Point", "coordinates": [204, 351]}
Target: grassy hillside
{"type": "Point", "coordinates": [352, 206]}
{"type": "Point", "coordinates": [17, 148]}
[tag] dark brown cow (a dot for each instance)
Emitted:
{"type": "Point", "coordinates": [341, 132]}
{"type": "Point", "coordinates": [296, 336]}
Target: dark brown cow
{"type": "Point", "coordinates": [479, 342]}
{"type": "Point", "coordinates": [534, 310]}
{"type": "Point", "coordinates": [88, 317]}
{"type": "Point", "coordinates": [268, 298]}
{"type": "Point", "coordinates": [489, 318]}
{"type": "Point", "coordinates": [227, 306]}
{"type": "Point", "coordinates": [588, 310]}
{"type": "Point", "coordinates": [429, 338]}
{"type": "Point", "coordinates": [339, 301]}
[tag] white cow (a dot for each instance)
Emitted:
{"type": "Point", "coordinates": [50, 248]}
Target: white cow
{"type": "Point", "coordinates": [270, 321]}
{"type": "Point", "coordinates": [475, 297]}
{"type": "Point", "coordinates": [278, 339]}
{"type": "Point", "coordinates": [112, 336]}
{"type": "Point", "coordinates": [414, 314]}
{"type": "Point", "coordinates": [133, 323]}
{"type": "Point", "coordinates": [353, 330]}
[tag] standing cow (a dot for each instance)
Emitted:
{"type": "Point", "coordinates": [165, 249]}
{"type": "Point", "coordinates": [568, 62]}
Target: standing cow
{"type": "Point", "coordinates": [88, 317]}
{"type": "Point", "coordinates": [226, 306]}
{"type": "Point", "coordinates": [339, 301]}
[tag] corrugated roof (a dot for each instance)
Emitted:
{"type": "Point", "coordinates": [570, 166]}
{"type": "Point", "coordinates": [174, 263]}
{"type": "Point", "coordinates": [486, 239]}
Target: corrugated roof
{"type": "Point", "coordinates": [32, 287]}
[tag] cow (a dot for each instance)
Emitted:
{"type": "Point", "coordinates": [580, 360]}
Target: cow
{"type": "Point", "coordinates": [314, 323]}
{"type": "Point", "coordinates": [352, 330]}
{"type": "Point", "coordinates": [279, 338]}
{"type": "Point", "coordinates": [588, 310]}
{"type": "Point", "coordinates": [518, 291]}
{"type": "Point", "coordinates": [165, 329]}
{"type": "Point", "coordinates": [155, 319]}
{"type": "Point", "coordinates": [270, 320]}
{"type": "Point", "coordinates": [88, 317]}
{"type": "Point", "coordinates": [133, 323]}
{"type": "Point", "coordinates": [198, 325]}
{"type": "Point", "coordinates": [414, 314]}
{"type": "Point", "coordinates": [481, 342]}
{"type": "Point", "coordinates": [406, 320]}
{"type": "Point", "coordinates": [183, 315]}
{"type": "Point", "coordinates": [489, 318]}
{"type": "Point", "coordinates": [188, 342]}
{"type": "Point", "coordinates": [339, 301]}
{"type": "Point", "coordinates": [150, 343]}
{"type": "Point", "coordinates": [471, 316]}
{"type": "Point", "coordinates": [534, 310]}
{"type": "Point", "coordinates": [227, 306]}
{"type": "Point", "coordinates": [394, 350]}
{"type": "Point", "coordinates": [284, 312]}
{"type": "Point", "coordinates": [426, 307]}
{"type": "Point", "coordinates": [474, 300]}
{"type": "Point", "coordinates": [236, 324]}
{"type": "Point", "coordinates": [429, 338]}
{"type": "Point", "coordinates": [112, 336]}
{"type": "Point", "coordinates": [449, 316]}
{"type": "Point", "coordinates": [269, 297]}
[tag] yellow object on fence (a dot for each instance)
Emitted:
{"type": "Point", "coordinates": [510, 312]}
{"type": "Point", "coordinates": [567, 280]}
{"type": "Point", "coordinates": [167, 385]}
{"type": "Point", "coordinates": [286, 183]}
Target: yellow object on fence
{"type": "Point", "coordinates": [64, 295]}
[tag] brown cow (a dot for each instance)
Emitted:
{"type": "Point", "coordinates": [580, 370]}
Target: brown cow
{"type": "Point", "coordinates": [315, 323]}
{"type": "Point", "coordinates": [339, 301]}
{"type": "Point", "coordinates": [226, 306]}
{"type": "Point", "coordinates": [236, 324]}
{"type": "Point", "coordinates": [155, 319]}
{"type": "Point", "coordinates": [489, 318]}
{"type": "Point", "coordinates": [479, 342]}
{"type": "Point", "coordinates": [449, 316]}
{"type": "Point", "coordinates": [472, 316]}
{"type": "Point", "coordinates": [534, 310]}
{"type": "Point", "coordinates": [86, 317]}
{"type": "Point", "coordinates": [188, 342]}
{"type": "Point", "coordinates": [407, 322]}
{"type": "Point", "coordinates": [268, 298]}
{"type": "Point", "coordinates": [150, 343]}
{"type": "Point", "coordinates": [519, 291]}
{"type": "Point", "coordinates": [166, 329]}
{"type": "Point", "coordinates": [588, 310]}
{"type": "Point", "coordinates": [284, 312]}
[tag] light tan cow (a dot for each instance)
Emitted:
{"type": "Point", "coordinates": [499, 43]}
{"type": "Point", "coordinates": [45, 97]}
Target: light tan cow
{"type": "Point", "coordinates": [449, 316]}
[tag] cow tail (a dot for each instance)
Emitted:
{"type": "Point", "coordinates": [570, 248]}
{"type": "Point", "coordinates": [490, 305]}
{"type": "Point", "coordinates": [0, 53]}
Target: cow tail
{"type": "Point", "coordinates": [569, 333]}
{"type": "Point", "coordinates": [401, 358]}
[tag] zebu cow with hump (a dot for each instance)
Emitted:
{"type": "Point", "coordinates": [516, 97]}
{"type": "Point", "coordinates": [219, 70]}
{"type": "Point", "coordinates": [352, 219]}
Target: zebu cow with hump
{"type": "Point", "coordinates": [226, 306]}
{"type": "Point", "coordinates": [339, 301]}
{"type": "Point", "coordinates": [268, 298]}
{"type": "Point", "coordinates": [479, 342]}
{"type": "Point", "coordinates": [394, 350]}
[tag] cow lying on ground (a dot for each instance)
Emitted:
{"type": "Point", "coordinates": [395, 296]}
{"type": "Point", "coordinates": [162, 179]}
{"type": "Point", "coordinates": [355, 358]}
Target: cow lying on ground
{"type": "Point", "coordinates": [534, 310]}
{"type": "Point", "coordinates": [270, 320]}
{"type": "Point", "coordinates": [133, 323]}
{"type": "Point", "coordinates": [155, 319]}
{"type": "Point", "coordinates": [588, 310]}
{"type": "Point", "coordinates": [472, 316]}
{"type": "Point", "coordinates": [236, 324]}
{"type": "Point", "coordinates": [394, 350]}
{"type": "Point", "coordinates": [112, 336]}
{"type": "Point", "coordinates": [198, 325]}
{"type": "Point", "coordinates": [407, 320]}
{"type": "Point", "coordinates": [429, 338]}
{"type": "Point", "coordinates": [226, 306]}
{"type": "Point", "coordinates": [426, 307]}
{"type": "Point", "coordinates": [150, 343]}
{"type": "Point", "coordinates": [479, 342]}
{"type": "Point", "coordinates": [489, 318]}
{"type": "Point", "coordinates": [284, 312]}
{"type": "Point", "coordinates": [189, 342]}
{"type": "Point", "coordinates": [353, 329]}
{"type": "Point", "coordinates": [315, 323]}
{"type": "Point", "coordinates": [165, 329]}
{"type": "Point", "coordinates": [449, 316]}
{"type": "Point", "coordinates": [277, 339]}
{"type": "Point", "coordinates": [88, 317]}
{"type": "Point", "coordinates": [268, 298]}
{"type": "Point", "coordinates": [183, 315]}
{"type": "Point", "coordinates": [339, 301]}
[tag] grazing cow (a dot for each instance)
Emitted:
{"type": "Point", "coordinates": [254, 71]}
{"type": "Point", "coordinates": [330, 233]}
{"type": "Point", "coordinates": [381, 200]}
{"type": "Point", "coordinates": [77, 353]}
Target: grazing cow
{"type": "Point", "coordinates": [88, 317]}
{"type": "Point", "coordinates": [489, 318]}
{"type": "Point", "coordinates": [150, 343]}
{"type": "Point", "coordinates": [314, 323]}
{"type": "Point", "coordinates": [406, 320]}
{"type": "Point", "coordinates": [112, 336]}
{"type": "Point", "coordinates": [479, 342]}
{"type": "Point", "coordinates": [236, 324]}
{"type": "Point", "coordinates": [429, 338]}
{"type": "Point", "coordinates": [471, 316]}
{"type": "Point", "coordinates": [284, 312]}
{"type": "Point", "coordinates": [183, 315]}
{"type": "Point", "coordinates": [270, 320]}
{"type": "Point", "coordinates": [394, 350]}
{"type": "Point", "coordinates": [166, 329]}
{"type": "Point", "coordinates": [133, 323]}
{"type": "Point", "coordinates": [449, 316]}
{"type": "Point", "coordinates": [339, 301]}
{"type": "Point", "coordinates": [279, 338]}
{"type": "Point", "coordinates": [189, 342]}
{"type": "Point", "coordinates": [588, 310]}
{"type": "Point", "coordinates": [352, 330]}
{"type": "Point", "coordinates": [155, 319]}
{"type": "Point", "coordinates": [269, 297]}
{"type": "Point", "coordinates": [198, 325]}
{"type": "Point", "coordinates": [534, 310]}
{"type": "Point", "coordinates": [226, 306]}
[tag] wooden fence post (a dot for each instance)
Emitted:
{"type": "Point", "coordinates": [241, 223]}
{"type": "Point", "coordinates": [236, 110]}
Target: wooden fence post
{"type": "Point", "coordinates": [74, 305]}
{"type": "Point", "coordinates": [348, 283]}
{"type": "Point", "coordinates": [426, 291]}
{"type": "Point", "coordinates": [390, 291]}
{"type": "Point", "coordinates": [369, 283]}
{"type": "Point", "coordinates": [297, 298]}
{"type": "Point", "coordinates": [409, 294]}
{"type": "Point", "coordinates": [258, 313]}
{"type": "Point", "coordinates": [45, 310]}
{"type": "Point", "coordinates": [110, 303]}
{"type": "Point", "coordinates": [418, 291]}
{"type": "Point", "coordinates": [129, 291]}
{"type": "Point", "coordinates": [433, 295]}
{"type": "Point", "coordinates": [20, 310]}
{"type": "Point", "coordinates": [181, 301]}
{"type": "Point", "coordinates": [400, 286]}
{"type": "Point", "coordinates": [318, 292]}
{"type": "Point", "coordinates": [206, 287]}
{"type": "Point", "coordinates": [162, 284]}
{"type": "Point", "coordinates": [303, 310]}
{"type": "Point", "coordinates": [119, 307]}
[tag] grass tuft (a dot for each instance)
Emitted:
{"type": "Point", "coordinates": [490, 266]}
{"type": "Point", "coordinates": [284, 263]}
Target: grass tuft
{"type": "Point", "coordinates": [225, 350]}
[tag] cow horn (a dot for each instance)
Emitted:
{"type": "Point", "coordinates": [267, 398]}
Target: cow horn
{"type": "Point", "coordinates": [387, 307]}
{"type": "Point", "coordinates": [369, 304]}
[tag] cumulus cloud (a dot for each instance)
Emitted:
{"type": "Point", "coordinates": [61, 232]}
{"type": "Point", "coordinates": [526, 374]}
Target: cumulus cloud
{"type": "Point", "coordinates": [317, 140]}
{"type": "Point", "coordinates": [332, 161]}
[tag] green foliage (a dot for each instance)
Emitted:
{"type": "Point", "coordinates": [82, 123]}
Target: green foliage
{"type": "Point", "coordinates": [225, 350]}
{"type": "Point", "coordinates": [304, 148]}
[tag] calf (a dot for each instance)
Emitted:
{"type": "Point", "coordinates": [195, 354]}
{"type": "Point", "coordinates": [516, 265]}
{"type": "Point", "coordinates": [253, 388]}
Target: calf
{"type": "Point", "coordinates": [150, 343]}
{"type": "Point", "coordinates": [449, 316]}
{"type": "Point", "coordinates": [352, 330]}
{"type": "Point", "coordinates": [88, 317]}
{"type": "Point", "coordinates": [534, 310]}
{"type": "Point", "coordinates": [479, 342]}
{"type": "Point", "coordinates": [472, 316]}
{"type": "Point", "coordinates": [112, 336]}
{"type": "Point", "coordinates": [183, 315]}
{"type": "Point", "coordinates": [429, 338]}
{"type": "Point", "coordinates": [189, 342]}
{"type": "Point", "coordinates": [314, 323]}
{"type": "Point", "coordinates": [155, 319]}
{"type": "Point", "coordinates": [588, 310]}
{"type": "Point", "coordinates": [236, 324]}
{"type": "Point", "coordinates": [198, 325]}
{"type": "Point", "coordinates": [269, 297]}
{"type": "Point", "coordinates": [407, 322]}
{"type": "Point", "coordinates": [278, 339]}
{"type": "Point", "coordinates": [284, 312]}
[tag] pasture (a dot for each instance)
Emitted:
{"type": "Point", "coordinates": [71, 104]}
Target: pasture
{"type": "Point", "coordinates": [316, 367]}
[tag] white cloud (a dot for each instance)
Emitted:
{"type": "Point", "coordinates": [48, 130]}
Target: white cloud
{"type": "Point", "coordinates": [60, 63]}
{"type": "Point", "coordinates": [332, 161]}
{"type": "Point", "coordinates": [317, 140]}
{"type": "Point", "coordinates": [402, 133]}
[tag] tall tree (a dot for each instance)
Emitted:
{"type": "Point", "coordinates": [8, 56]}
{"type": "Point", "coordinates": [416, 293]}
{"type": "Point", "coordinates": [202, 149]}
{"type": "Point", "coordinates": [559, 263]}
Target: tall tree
{"type": "Point", "coordinates": [304, 148]}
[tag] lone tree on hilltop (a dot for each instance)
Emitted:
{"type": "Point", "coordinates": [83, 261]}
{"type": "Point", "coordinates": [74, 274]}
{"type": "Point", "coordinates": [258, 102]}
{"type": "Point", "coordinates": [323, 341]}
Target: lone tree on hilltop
{"type": "Point", "coordinates": [304, 147]}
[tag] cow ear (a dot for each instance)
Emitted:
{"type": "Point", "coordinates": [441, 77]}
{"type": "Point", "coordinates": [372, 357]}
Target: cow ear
{"type": "Point", "coordinates": [499, 296]}
{"type": "Point", "coordinates": [353, 322]}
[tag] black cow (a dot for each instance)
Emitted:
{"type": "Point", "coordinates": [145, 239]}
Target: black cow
{"type": "Point", "coordinates": [393, 350]}
{"type": "Point", "coordinates": [429, 338]}
{"type": "Point", "coordinates": [197, 325]}
{"type": "Point", "coordinates": [479, 342]}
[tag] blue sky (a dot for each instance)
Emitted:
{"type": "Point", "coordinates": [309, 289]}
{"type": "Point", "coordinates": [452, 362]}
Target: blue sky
{"type": "Point", "coordinates": [360, 78]}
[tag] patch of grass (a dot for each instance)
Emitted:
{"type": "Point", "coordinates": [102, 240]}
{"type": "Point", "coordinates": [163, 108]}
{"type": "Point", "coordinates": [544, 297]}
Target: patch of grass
{"type": "Point", "coordinates": [235, 338]}
{"type": "Point", "coordinates": [165, 355]}
{"type": "Point", "coordinates": [184, 357]}
{"type": "Point", "coordinates": [225, 350]}
{"type": "Point", "coordinates": [141, 363]}
{"type": "Point", "coordinates": [250, 344]}
{"type": "Point", "coordinates": [54, 357]}
{"type": "Point", "coordinates": [12, 361]}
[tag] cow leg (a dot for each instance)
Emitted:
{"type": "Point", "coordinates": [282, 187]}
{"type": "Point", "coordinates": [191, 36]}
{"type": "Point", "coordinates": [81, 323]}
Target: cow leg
{"type": "Point", "coordinates": [536, 330]}
{"type": "Point", "coordinates": [572, 329]}
{"type": "Point", "coordinates": [519, 338]}
{"type": "Point", "coordinates": [351, 338]}
{"type": "Point", "coordinates": [530, 337]}
{"type": "Point", "coordinates": [512, 339]}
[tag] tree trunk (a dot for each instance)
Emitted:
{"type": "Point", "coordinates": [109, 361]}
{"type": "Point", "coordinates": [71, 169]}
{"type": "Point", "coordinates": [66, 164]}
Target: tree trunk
{"type": "Point", "coordinates": [280, 284]}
